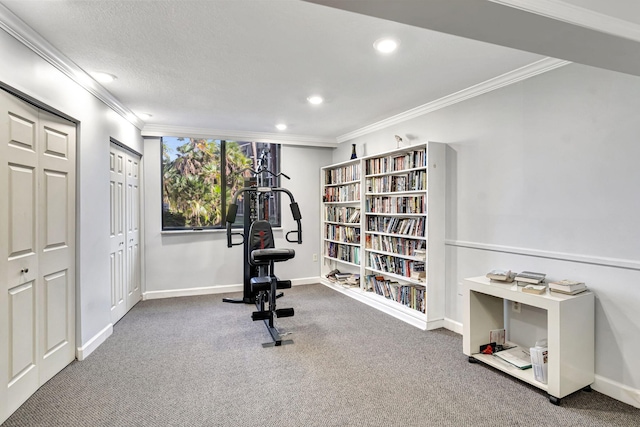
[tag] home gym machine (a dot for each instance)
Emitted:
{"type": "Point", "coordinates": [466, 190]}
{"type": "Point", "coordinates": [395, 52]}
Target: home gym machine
{"type": "Point", "coordinates": [260, 284]}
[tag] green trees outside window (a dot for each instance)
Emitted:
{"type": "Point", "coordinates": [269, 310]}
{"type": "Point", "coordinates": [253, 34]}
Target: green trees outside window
{"type": "Point", "coordinates": [201, 176]}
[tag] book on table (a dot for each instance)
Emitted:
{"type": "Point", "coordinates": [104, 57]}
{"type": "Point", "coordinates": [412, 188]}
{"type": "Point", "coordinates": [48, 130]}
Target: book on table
{"type": "Point", "coordinates": [530, 277]}
{"type": "Point", "coordinates": [567, 286]}
{"type": "Point", "coordinates": [534, 289]}
{"type": "Point", "coordinates": [501, 275]}
{"type": "Point", "coordinates": [566, 292]}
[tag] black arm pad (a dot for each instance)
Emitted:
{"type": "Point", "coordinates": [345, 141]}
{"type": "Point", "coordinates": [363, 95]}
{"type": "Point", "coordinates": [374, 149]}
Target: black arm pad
{"type": "Point", "coordinates": [295, 211]}
{"type": "Point", "coordinates": [231, 213]}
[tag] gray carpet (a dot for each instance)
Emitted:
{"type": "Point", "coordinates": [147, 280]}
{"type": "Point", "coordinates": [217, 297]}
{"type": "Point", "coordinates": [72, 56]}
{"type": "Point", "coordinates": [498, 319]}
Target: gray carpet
{"type": "Point", "coordinates": [199, 362]}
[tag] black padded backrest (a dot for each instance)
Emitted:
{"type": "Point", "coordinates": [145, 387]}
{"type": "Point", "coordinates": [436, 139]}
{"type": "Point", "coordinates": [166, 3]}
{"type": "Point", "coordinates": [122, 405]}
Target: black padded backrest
{"type": "Point", "coordinates": [261, 236]}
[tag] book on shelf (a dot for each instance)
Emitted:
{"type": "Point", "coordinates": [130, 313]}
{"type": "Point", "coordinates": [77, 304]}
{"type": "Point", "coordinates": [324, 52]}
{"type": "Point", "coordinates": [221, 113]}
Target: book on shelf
{"type": "Point", "coordinates": [501, 275]}
{"type": "Point", "coordinates": [497, 336]}
{"type": "Point", "coordinates": [516, 355]}
{"type": "Point", "coordinates": [534, 289]}
{"type": "Point", "coordinates": [539, 361]}
{"type": "Point", "coordinates": [567, 286]}
{"type": "Point", "coordinates": [530, 277]}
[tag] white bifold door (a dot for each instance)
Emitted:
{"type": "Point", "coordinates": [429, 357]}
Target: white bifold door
{"type": "Point", "coordinates": [37, 251]}
{"type": "Point", "coordinates": [124, 234]}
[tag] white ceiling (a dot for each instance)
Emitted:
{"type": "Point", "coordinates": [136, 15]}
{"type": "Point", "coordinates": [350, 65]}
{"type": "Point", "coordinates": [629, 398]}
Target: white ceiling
{"type": "Point", "coordinates": [245, 65]}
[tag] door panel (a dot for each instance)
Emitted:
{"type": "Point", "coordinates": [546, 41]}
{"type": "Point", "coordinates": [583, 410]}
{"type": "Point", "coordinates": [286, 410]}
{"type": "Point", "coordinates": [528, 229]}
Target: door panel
{"type": "Point", "coordinates": [117, 235]}
{"type": "Point", "coordinates": [133, 230]}
{"type": "Point", "coordinates": [19, 251]}
{"type": "Point", "coordinates": [56, 297]}
{"type": "Point", "coordinates": [56, 292]}
{"type": "Point", "coordinates": [22, 213]}
{"type": "Point", "coordinates": [22, 324]}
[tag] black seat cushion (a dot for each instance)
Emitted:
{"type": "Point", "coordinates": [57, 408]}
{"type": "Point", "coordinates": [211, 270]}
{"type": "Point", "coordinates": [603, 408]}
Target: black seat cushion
{"type": "Point", "coordinates": [264, 256]}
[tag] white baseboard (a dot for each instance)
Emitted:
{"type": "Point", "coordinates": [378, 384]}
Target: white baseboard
{"type": "Point", "coordinates": [88, 348]}
{"type": "Point", "coordinates": [210, 290]}
{"type": "Point", "coordinates": [305, 281]}
{"type": "Point", "coordinates": [453, 326]}
{"type": "Point", "coordinates": [189, 292]}
{"type": "Point", "coordinates": [616, 390]}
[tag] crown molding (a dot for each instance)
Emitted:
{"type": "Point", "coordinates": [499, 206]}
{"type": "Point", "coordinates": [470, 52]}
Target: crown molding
{"type": "Point", "coordinates": [576, 15]}
{"type": "Point", "coordinates": [151, 130]}
{"type": "Point", "coordinates": [17, 28]}
{"type": "Point", "coordinates": [533, 69]}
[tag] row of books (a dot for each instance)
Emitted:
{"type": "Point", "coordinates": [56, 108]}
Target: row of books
{"type": "Point", "coordinates": [344, 193]}
{"type": "Point", "coordinates": [344, 214]}
{"type": "Point", "coordinates": [342, 233]}
{"type": "Point", "coordinates": [412, 181]}
{"type": "Point", "coordinates": [351, 280]}
{"type": "Point", "coordinates": [397, 225]}
{"type": "Point", "coordinates": [412, 296]}
{"type": "Point", "coordinates": [410, 160]}
{"type": "Point", "coordinates": [398, 245]}
{"type": "Point", "coordinates": [347, 173]}
{"type": "Point", "coordinates": [396, 204]}
{"type": "Point", "coordinates": [343, 252]}
{"type": "Point", "coordinates": [390, 264]}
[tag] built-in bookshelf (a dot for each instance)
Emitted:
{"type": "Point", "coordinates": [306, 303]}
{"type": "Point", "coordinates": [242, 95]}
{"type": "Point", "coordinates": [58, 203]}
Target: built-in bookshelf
{"type": "Point", "coordinates": [341, 219]}
{"type": "Point", "coordinates": [391, 233]}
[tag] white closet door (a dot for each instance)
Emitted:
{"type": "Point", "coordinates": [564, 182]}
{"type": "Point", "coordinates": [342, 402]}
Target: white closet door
{"type": "Point", "coordinates": [125, 231]}
{"type": "Point", "coordinates": [37, 255]}
{"type": "Point", "coordinates": [20, 254]}
{"type": "Point", "coordinates": [117, 235]}
{"type": "Point", "coordinates": [133, 230]}
{"type": "Point", "coordinates": [57, 201]}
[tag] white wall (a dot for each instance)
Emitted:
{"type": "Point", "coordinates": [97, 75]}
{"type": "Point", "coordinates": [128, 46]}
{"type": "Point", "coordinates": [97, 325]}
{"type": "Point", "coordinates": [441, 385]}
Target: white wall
{"type": "Point", "coordinates": [543, 175]}
{"type": "Point", "coordinates": [192, 263]}
{"type": "Point", "coordinates": [28, 73]}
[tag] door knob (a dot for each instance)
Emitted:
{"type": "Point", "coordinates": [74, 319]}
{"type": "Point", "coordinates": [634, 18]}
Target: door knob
{"type": "Point", "coordinates": [24, 270]}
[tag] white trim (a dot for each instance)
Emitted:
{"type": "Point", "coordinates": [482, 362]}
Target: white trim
{"type": "Point", "coordinates": [576, 15]}
{"type": "Point", "coordinates": [34, 41]}
{"type": "Point", "coordinates": [522, 73]}
{"type": "Point", "coordinates": [189, 292]}
{"type": "Point", "coordinates": [452, 325]}
{"type": "Point", "coordinates": [616, 390]}
{"type": "Point", "coordinates": [276, 138]}
{"type": "Point", "coordinates": [212, 290]}
{"type": "Point", "coordinates": [562, 256]}
{"type": "Point", "coordinates": [95, 342]}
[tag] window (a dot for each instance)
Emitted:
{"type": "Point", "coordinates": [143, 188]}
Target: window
{"type": "Point", "coordinates": [200, 177]}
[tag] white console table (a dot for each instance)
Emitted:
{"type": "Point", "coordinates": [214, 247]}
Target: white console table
{"type": "Point", "coordinates": [570, 333]}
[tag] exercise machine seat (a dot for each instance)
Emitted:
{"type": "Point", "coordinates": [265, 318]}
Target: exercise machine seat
{"type": "Point", "coordinates": [262, 247]}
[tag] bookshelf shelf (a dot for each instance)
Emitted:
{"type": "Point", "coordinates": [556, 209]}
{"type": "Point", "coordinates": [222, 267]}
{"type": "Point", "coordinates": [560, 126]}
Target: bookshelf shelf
{"type": "Point", "coordinates": [343, 243]}
{"type": "Point", "coordinates": [341, 261]}
{"type": "Point", "coordinates": [569, 326]}
{"type": "Point", "coordinates": [397, 189]}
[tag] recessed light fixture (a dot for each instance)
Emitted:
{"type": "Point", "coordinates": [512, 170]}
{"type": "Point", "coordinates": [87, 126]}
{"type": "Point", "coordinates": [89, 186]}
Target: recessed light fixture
{"type": "Point", "coordinates": [144, 116]}
{"type": "Point", "coordinates": [385, 45]}
{"type": "Point", "coordinates": [103, 77]}
{"type": "Point", "coordinates": [281, 126]}
{"type": "Point", "coordinates": [315, 99]}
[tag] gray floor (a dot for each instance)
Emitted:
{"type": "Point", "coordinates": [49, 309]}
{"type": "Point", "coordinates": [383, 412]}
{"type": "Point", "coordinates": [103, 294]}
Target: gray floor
{"type": "Point", "coordinates": [199, 362]}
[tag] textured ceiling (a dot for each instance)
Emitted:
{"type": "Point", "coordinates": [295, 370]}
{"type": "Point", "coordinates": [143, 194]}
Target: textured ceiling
{"type": "Point", "coordinates": [246, 65]}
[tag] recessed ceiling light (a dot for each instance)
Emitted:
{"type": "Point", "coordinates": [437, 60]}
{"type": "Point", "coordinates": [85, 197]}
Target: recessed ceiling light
{"type": "Point", "coordinates": [144, 116]}
{"type": "Point", "coordinates": [103, 77]}
{"type": "Point", "coordinates": [385, 45]}
{"type": "Point", "coordinates": [281, 126]}
{"type": "Point", "coordinates": [315, 99]}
